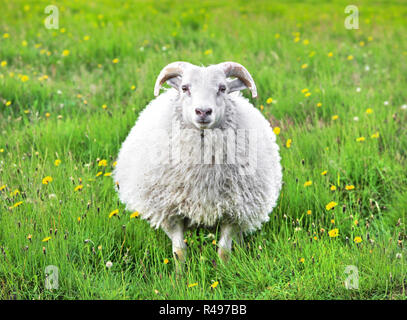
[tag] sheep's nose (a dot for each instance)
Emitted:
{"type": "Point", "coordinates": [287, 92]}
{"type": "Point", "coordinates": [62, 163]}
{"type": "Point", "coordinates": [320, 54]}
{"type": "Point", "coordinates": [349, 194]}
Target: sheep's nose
{"type": "Point", "coordinates": [203, 112]}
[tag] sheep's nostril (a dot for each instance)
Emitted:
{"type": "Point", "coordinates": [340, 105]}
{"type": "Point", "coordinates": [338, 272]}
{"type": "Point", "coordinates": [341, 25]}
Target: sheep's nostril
{"type": "Point", "coordinates": [203, 112]}
{"type": "Point", "coordinates": [208, 112]}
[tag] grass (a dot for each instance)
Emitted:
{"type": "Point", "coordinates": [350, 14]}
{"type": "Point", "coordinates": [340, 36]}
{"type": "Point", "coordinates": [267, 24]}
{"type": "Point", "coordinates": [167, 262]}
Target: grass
{"type": "Point", "coordinates": [286, 47]}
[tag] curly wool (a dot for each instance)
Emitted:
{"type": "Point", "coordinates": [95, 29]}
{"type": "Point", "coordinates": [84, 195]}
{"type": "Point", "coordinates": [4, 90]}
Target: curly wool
{"type": "Point", "coordinates": [151, 182]}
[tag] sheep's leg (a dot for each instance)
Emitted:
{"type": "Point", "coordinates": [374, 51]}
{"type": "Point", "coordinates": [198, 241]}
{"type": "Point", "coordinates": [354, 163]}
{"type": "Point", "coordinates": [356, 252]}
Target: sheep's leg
{"type": "Point", "coordinates": [174, 228]}
{"type": "Point", "coordinates": [228, 232]}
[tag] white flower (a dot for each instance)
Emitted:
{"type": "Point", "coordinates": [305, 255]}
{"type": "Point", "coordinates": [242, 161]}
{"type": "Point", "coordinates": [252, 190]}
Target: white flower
{"type": "Point", "coordinates": [367, 68]}
{"type": "Point", "coordinates": [404, 106]}
{"type": "Point", "coordinates": [358, 89]}
{"type": "Point", "coordinates": [355, 118]}
{"type": "Point", "coordinates": [386, 103]}
{"type": "Point", "coordinates": [398, 256]}
{"type": "Point", "coordinates": [109, 264]}
{"type": "Point", "coordinates": [59, 91]}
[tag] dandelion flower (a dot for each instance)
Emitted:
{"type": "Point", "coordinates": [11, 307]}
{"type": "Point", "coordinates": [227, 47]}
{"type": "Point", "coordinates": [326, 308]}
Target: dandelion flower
{"type": "Point", "coordinates": [102, 163]}
{"type": "Point", "coordinates": [113, 213]}
{"type": "Point", "coordinates": [208, 52]}
{"type": "Point", "coordinates": [309, 212]}
{"type": "Point", "coordinates": [351, 187]}
{"type": "Point", "coordinates": [107, 174]}
{"type": "Point", "coordinates": [46, 239]}
{"type": "Point", "coordinates": [166, 261]}
{"type": "Point", "coordinates": [307, 94]}
{"type": "Point", "coordinates": [2, 187]}
{"type": "Point", "coordinates": [65, 53]}
{"type": "Point", "coordinates": [288, 143]}
{"type": "Point", "coordinates": [114, 164]}
{"type": "Point", "coordinates": [360, 139]}
{"type": "Point", "coordinates": [304, 66]}
{"type": "Point", "coordinates": [86, 38]}
{"type": "Point", "coordinates": [47, 180]}
{"type": "Point", "coordinates": [333, 233]}
{"type": "Point", "coordinates": [319, 104]}
{"type": "Point", "coordinates": [375, 135]}
{"type": "Point", "coordinates": [115, 60]}
{"type": "Point", "coordinates": [77, 188]}
{"type": "Point", "coordinates": [57, 162]}
{"type": "Point", "coordinates": [109, 264]}
{"type": "Point", "coordinates": [214, 285]}
{"type": "Point", "coordinates": [193, 285]}
{"type": "Point", "coordinates": [330, 54]}
{"type": "Point", "coordinates": [6, 35]}
{"type": "Point", "coordinates": [134, 214]}
{"type": "Point", "coordinates": [331, 205]}
{"type": "Point", "coordinates": [133, 87]}
{"type": "Point", "coordinates": [350, 57]}
{"type": "Point", "coordinates": [357, 240]}
{"type": "Point", "coordinates": [17, 204]}
{"type": "Point", "coordinates": [99, 173]}
{"type": "Point", "coordinates": [276, 130]}
{"type": "Point", "coordinates": [104, 106]}
{"type": "Point", "coordinates": [323, 173]}
{"type": "Point", "coordinates": [269, 100]}
{"type": "Point", "coordinates": [302, 260]}
{"type": "Point", "coordinates": [369, 111]}
{"type": "Point", "coordinates": [335, 117]}
{"type": "Point", "coordinates": [333, 188]}
{"type": "Point", "coordinates": [307, 183]}
{"type": "Point", "coordinates": [3, 63]}
{"type": "Point", "coordinates": [333, 221]}
{"type": "Point", "coordinates": [8, 103]}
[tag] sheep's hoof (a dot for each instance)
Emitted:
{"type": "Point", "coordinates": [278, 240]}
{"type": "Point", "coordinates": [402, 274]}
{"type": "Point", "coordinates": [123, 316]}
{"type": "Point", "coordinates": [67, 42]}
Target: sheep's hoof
{"type": "Point", "coordinates": [224, 255]}
{"type": "Point", "coordinates": [179, 257]}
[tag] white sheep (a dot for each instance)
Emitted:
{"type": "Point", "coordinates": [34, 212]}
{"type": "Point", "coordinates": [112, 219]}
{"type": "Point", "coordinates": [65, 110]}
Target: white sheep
{"type": "Point", "coordinates": [201, 155]}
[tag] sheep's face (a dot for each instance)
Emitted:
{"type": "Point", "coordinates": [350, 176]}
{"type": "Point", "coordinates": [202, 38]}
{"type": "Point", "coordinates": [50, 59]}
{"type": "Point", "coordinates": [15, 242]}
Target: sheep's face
{"type": "Point", "coordinates": [203, 93]}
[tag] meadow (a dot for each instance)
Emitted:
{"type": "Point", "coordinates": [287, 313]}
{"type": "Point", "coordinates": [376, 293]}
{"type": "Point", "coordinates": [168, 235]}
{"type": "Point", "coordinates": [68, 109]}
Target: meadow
{"type": "Point", "coordinates": [336, 98]}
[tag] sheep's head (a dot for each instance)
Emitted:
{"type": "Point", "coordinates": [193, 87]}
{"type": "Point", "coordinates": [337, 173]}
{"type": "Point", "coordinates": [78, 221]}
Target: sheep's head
{"type": "Point", "coordinates": [203, 90]}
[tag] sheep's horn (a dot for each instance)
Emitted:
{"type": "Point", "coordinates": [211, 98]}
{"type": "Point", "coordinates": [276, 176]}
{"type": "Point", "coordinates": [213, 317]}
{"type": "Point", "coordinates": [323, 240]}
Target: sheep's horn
{"type": "Point", "coordinates": [233, 69]}
{"type": "Point", "coordinates": [172, 70]}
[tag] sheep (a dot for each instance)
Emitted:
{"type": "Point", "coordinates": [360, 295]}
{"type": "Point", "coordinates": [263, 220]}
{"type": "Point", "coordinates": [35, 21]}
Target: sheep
{"type": "Point", "coordinates": [201, 155]}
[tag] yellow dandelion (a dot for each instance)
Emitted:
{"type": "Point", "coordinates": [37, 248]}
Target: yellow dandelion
{"type": "Point", "coordinates": [6, 35]}
{"type": "Point", "coordinates": [3, 187]}
{"type": "Point", "coordinates": [331, 205]}
{"type": "Point", "coordinates": [3, 63]}
{"type": "Point", "coordinates": [323, 173]}
{"type": "Point", "coordinates": [57, 162]}
{"type": "Point", "coordinates": [319, 104]}
{"type": "Point", "coordinates": [261, 107]}
{"type": "Point", "coordinates": [369, 111]}
{"type": "Point", "coordinates": [62, 30]}
{"type": "Point", "coordinates": [306, 42]}
{"type": "Point", "coordinates": [356, 222]}
{"type": "Point", "coordinates": [315, 238]}
{"type": "Point", "coordinates": [166, 261]}
{"type": "Point", "coordinates": [113, 213]}
{"type": "Point", "coordinates": [269, 100]}
{"type": "Point", "coordinates": [307, 183]}
{"type": "Point", "coordinates": [333, 188]}
{"type": "Point", "coordinates": [77, 188]}
{"type": "Point", "coordinates": [333, 233]}
{"type": "Point", "coordinates": [114, 164]}
{"type": "Point", "coordinates": [297, 39]}
{"type": "Point", "coordinates": [214, 242]}
{"type": "Point", "coordinates": [133, 87]}
{"type": "Point", "coordinates": [115, 60]}
{"type": "Point", "coordinates": [362, 43]}
{"type": "Point", "coordinates": [335, 117]}
{"type": "Point", "coordinates": [375, 135]}
{"type": "Point", "coordinates": [8, 103]}
{"type": "Point", "coordinates": [309, 212]}
{"type": "Point", "coordinates": [17, 204]}
{"type": "Point", "coordinates": [370, 38]}
{"type": "Point", "coordinates": [47, 180]}
{"type": "Point", "coordinates": [107, 174]}
{"type": "Point", "coordinates": [276, 130]}
{"type": "Point", "coordinates": [102, 163]}
{"type": "Point", "coordinates": [304, 90]}
{"type": "Point", "coordinates": [350, 57]}
{"type": "Point", "coordinates": [357, 239]}
{"type": "Point", "coordinates": [333, 221]}
{"type": "Point", "coordinates": [86, 38]}
{"type": "Point", "coordinates": [79, 219]}
{"type": "Point", "coordinates": [193, 285]}
{"type": "Point", "coordinates": [65, 53]}
{"type": "Point", "coordinates": [134, 215]}
{"type": "Point", "coordinates": [307, 94]}
{"type": "Point", "coordinates": [330, 54]}
{"type": "Point", "coordinates": [104, 106]}
{"type": "Point", "coordinates": [351, 187]}
{"type": "Point", "coordinates": [302, 260]}
{"type": "Point", "coordinates": [288, 143]}
{"type": "Point", "coordinates": [208, 52]}
{"type": "Point", "coordinates": [46, 239]}
{"type": "Point", "coordinates": [360, 139]}
{"type": "Point", "coordinates": [277, 36]}
{"type": "Point", "coordinates": [99, 173]}
{"type": "Point", "coordinates": [304, 66]}
{"type": "Point", "coordinates": [214, 285]}
{"type": "Point", "coordinates": [47, 115]}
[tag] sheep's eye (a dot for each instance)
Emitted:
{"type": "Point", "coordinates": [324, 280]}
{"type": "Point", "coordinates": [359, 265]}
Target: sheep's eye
{"type": "Point", "coordinates": [185, 88]}
{"type": "Point", "coordinates": [222, 88]}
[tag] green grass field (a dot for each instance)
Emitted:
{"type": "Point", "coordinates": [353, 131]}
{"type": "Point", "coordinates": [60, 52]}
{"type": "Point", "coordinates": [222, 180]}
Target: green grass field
{"type": "Point", "coordinates": [72, 95]}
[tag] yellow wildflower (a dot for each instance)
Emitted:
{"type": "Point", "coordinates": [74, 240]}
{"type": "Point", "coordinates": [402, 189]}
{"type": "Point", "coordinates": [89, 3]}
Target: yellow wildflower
{"type": "Point", "coordinates": [357, 239]}
{"type": "Point", "coordinates": [309, 212]}
{"type": "Point", "coordinates": [47, 180]}
{"type": "Point", "coordinates": [331, 205]}
{"type": "Point", "coordinates": [193, 285]}
{"type": "Point", "coordinates": [351, 187]}
{"type": "Point", "coordinates": [86, 38]}
{"type": "Point", "coordinates": [307, 94]}
{"type": "Point", "coordinates": [207, 52]}
{"type": "Point", "coordinates": [2, 187]}
{"type": "Point", "coordinates": [46, 239]}
{"type": "Point", "coordinates": [319, 104]}
{"type": "Point", "coordinates": [8, 103]}
{"type": "Point", "coordinates": [304, 90]}
{"type": "Point", "coordinates": [107, 174]}
{"type": "Point", "coordinates": [302, 260]}
{"type": "Point", "coordinates": [276, 130]}
{"type": "Point", "coordinates": [269, 100]}
{"type": "Point", "coordinates": [134, 214]}
{"type": "Point", "coordinates": [17, 204]}
{"type": "Point", "coordinates": [333, 233]}
{"type": "Point", "coordinates": [323, 173]}
{"type": "Point", "coordinates": [330, 54]}
{"type": "Point", "coordinates": [102, 163]}
{"type": "Point", "coordinates": [3, 63]}
{"type": "Point", "coordinates": [80, 187]}
{"type": "Point", "coordinates": [375, 135]}
{"type": "Point", "coordinates": [65, 53]}
{"type": "Point", "coordinates": [113, 213]}
{"type": "Point", "coordinates": [57, 162]}
{"type": "Point", "coordinates": [133, 87]}
{"type": "Point", "coordinates": [333, 188]}
{"type": "Point", "coordinates": [304, 66]}
{"type": "Point", "coordinates": [288, 143]}
{"type": "Point", "coordinates": [369, 111]}
{"type": "Point", "coordinates": [214, 285]}
{"type": "Point", "coordinates": [99, 173]}
{"type": "Point", "coordinates": [166, 261]}
{"type": "Point", "coordinates": [306, 42]}
{"type": "Point", "coordinates": [350, 57]}
{"type": "Point", "coordinates": [360, 139]}
{"type": "Point", "coordinates": [335, 117]}
{"type": "Point", "coordinates": [115, 60]}
{"type": "Point", "coordinates": [307, 183]}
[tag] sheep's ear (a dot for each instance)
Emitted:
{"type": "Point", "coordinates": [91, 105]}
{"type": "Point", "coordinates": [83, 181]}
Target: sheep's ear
{"type": "Point", "coordinates": [174, 82]}
{"type": "Point", "coordinates": [236, 85]}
